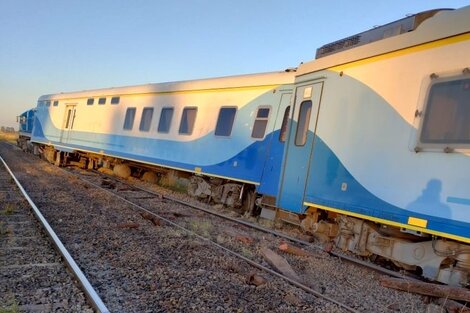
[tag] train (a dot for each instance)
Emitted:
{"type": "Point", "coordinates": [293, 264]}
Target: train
{"type": "Point", "coordinates": [25, 128]}
{"type": "Point", "coordinates": [367, 145]}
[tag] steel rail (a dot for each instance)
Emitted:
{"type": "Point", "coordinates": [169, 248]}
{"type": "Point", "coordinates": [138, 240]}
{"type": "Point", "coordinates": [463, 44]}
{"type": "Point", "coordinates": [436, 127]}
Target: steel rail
{"type": "Point", "coordinates": [231, 252]}
{"type": "Point", "coordinates": [340, 256]}
{"type": "Point", "coordinates": [90, 293]}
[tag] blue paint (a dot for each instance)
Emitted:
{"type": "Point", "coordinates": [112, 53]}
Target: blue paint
{"type": "Point", "coordinates": [298, 154]}
{"type": "Point", "coordinates": [272, 169]}
{"type": "Point", "coordinates": [324, 188]}
{"type": "Point", "coordinates": [28, 117]}
{"type": "Point", "coordinates": [247, 164]}
{"type": "Point", "coordinates": [463, 201]}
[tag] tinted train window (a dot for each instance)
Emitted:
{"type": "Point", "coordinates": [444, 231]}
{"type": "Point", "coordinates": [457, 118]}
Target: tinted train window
{"type": "Point", "coordinates": [447, 114]}
{"type": "Point", "coordinates": [102, 101]}
{"type": "Point", "coordinates": [115, 100]}
{"type": "Point", "coordinates": [302, 123]}
{"type": "Point", "coordinates": [225, 121]}
{"type": "Point", "coordinates": [261, 122]}
{"type": "Point", "coordinates": [285, 120]}
{"type": "Point", "coordinates": [90, 101]}
{"type": "Point", "coordinates": [129, 119]}
{"type": "Point", "coordinates": [48, 103]}
{"type": "Point", "coordinates": [146, 120]}
{"type": "Point", "coordinates": [187, 121]}
{"type": "Point", "coordinates": [165, 120]}
{"type": "Point", "coordinates": [56, 103]}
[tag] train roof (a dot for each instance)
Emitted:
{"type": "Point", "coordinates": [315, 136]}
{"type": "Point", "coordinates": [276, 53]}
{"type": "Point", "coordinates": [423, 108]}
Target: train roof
{"type": "Point", "coordinates": [239, 81]}
{"type": "Point", "coordinates": [438, 25]}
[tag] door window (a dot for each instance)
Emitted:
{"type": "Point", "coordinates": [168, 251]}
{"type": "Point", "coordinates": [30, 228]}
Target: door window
{"type": "Point", "coordinates": [303, 122]}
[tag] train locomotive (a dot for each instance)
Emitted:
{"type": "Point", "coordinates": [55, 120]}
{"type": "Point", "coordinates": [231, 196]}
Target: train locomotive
{"type": "Point", "coordinates": [367, 145]}
{"type": "Point", "coordinates": [25, 121]}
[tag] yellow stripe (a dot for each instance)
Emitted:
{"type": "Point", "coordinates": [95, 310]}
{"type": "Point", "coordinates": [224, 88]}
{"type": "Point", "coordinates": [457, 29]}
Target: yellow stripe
{"type": "Point", "coordinates": [196, 91]}
{"type": "Point", "coordinates": [417, 222]}
{"type": "Point", "coordinates": [421, 47]}
{"type": "Point", "coordinates": [391, 223]}
{"type": "Point", "coordinates": [155, 164]}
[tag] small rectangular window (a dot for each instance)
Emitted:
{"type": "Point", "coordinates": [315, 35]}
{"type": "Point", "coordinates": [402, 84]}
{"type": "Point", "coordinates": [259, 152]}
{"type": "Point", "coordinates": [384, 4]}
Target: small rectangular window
{"type": "Point", "coordinates": [225, 121]}
{"type": "Point", "coordinates": [285, 121]}
{"type": "Point", "coordinates": [56, 103]}
{"type": "Point", "coordinates": [102, 101]}
{"type": "Point", "coordinates": [187, 121]}
{"type": "Point", "coordinates": [48, 103]}
{"type": "Point", "coordinates": [165, 120]}
{"type": "Point", "coordinates": [261, 122]}
{"type": "Point", "coordinates": [146, 120]}
{"type": "Point", "coordinates": [115, 100]}
{"type": "Point", "coordinates": [129, 119]}
{"type": "Point", "coordinates": [303, 122]}
{"type": "Point", "coordinates": [446, 118]}
{"type": "Point", "coordinates": [90, 101]}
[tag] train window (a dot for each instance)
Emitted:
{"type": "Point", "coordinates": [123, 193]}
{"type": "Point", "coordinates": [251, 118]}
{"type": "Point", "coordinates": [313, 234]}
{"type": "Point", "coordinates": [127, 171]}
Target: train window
{"type": "Point", "coordinates": [129, 119]}
{"type": "Point", "coordinates": [146, 120]}
{"type": "Point", "coordinates": [261, 122]}
{"type": "Point", "coordinates": [447, 114]}
{"type": "Point", "coordinates": [285, 120]}
{"type": "Point", "coordinates": [165, 120]}
{"type": "Point", "coordinates": [302, 123]}
{"type": "Point", "coordinates": [187, 120]}
{"type": "Point", "coordinates": [225, 121]}
{"type": "Point", "coordinates": [115, 100]}
{"type": "Point", "coordinates": [90, 101]}
{"type": "Point", "coordinates": [56, 103]}
{"type": "Point", "coordinates": [102, 101]}
{"type": "Point", "coordinates": [48, 103]}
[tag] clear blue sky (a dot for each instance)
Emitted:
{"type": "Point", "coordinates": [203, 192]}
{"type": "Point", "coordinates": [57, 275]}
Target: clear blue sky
{"type": "Point", "coordinates": [49, 46]}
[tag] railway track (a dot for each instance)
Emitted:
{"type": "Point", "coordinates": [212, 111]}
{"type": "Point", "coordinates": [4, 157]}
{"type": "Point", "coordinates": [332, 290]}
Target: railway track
{"type": "Point", "coordinates": [141, 198]}
{"type": "Point", "coordinates": [33, 267]}
{"type": "Point", "coordinates": [117, 190]}
{"type": "Point", "coordinates": [207, 209]}
{"type": "Point", "coordinates": [156, 255]}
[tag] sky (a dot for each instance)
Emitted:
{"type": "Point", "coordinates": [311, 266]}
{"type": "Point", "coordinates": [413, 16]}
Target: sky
{"type": "Point", "coordinates": [50, 46]}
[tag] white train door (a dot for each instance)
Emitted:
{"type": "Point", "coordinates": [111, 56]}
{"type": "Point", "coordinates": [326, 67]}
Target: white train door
{"type": "Point", "coordinates": [69, 119]}
{"type": "Point", "coordinates": [299, 147]}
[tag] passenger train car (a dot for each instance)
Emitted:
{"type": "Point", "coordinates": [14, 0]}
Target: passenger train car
{"type": "Point", "coordinates": [378, 150]}
{"type": "Point", "coordinates": [222, 128]}
{"type": "Point", "coordinates": [367, 145]}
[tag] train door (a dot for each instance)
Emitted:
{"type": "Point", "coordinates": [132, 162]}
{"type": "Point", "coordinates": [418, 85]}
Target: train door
{"type": "Point", "coordinates": [272, 168]}
{"type": "Point", "coordinates": [299, 148]}
{"type": "Point", "coordinates": [69, 119]}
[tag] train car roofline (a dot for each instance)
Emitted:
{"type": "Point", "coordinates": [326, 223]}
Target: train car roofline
{"type": "Point", "coordinates": [216, 84]}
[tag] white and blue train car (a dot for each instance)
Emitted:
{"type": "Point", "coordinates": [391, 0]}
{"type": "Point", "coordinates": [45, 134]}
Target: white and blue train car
{"type": "Point", "coordinates": [367, 145]}
{"type": "Point", "coordinates": [226, 128]}
{"type": "Point", "coordinates": [378, 153]}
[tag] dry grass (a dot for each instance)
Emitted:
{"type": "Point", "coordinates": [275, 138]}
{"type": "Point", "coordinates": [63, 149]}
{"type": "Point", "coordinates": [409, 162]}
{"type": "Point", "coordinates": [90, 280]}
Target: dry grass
{"type": "Point", "coordinates": [201, 227]}
{"type": "Point", "coordinates": [8, 209]}
{"type": "Point", "coordinates": [9, 137]}
{"type": "Point", "coordinates": [11, 308]}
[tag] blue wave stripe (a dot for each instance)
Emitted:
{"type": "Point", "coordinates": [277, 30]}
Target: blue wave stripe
{"type": "Point", "coordinates": [328, 176]}
{"type": "Point", "coordinates": [246, 165]}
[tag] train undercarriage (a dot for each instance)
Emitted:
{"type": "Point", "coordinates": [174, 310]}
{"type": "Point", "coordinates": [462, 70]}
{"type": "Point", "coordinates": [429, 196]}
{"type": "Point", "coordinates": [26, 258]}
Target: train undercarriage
{"type": "Point", "coordinates": [435, 258]}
